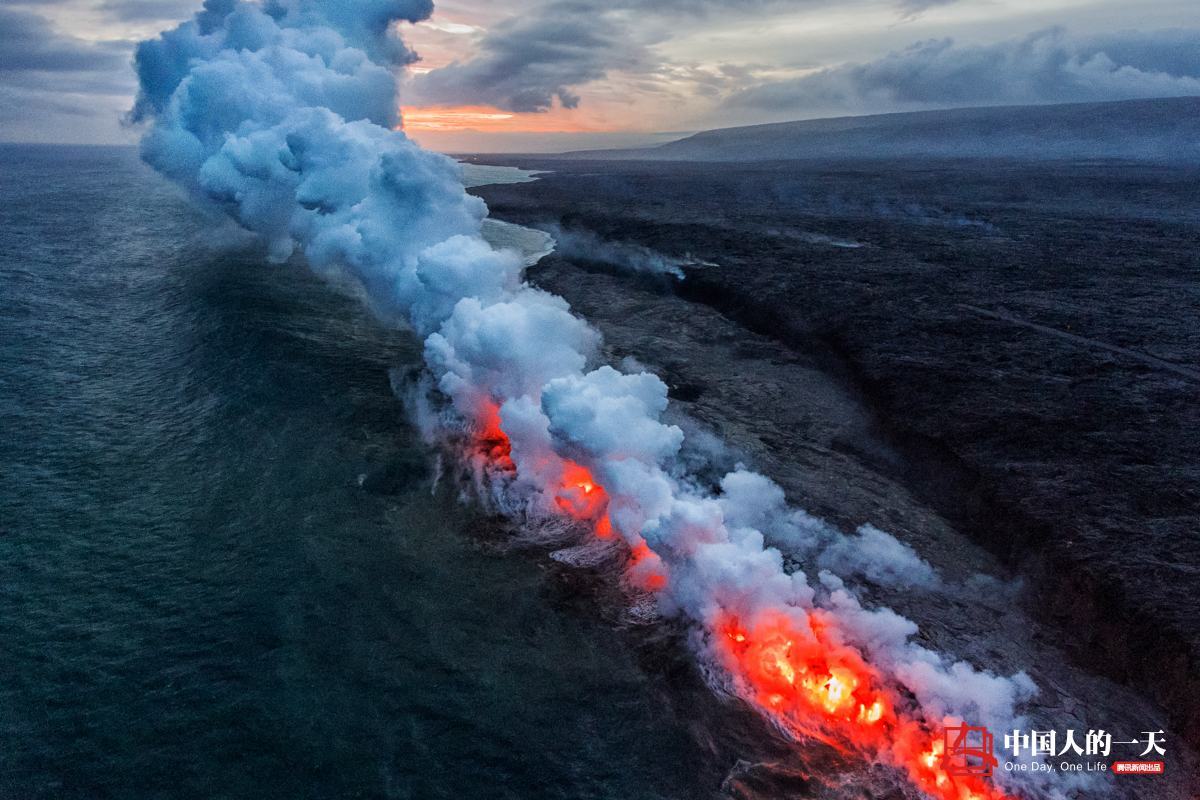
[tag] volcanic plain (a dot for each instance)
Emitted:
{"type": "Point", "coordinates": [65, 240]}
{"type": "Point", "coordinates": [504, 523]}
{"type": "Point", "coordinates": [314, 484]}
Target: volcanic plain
{"type": "Point", "coordinates": [998, 362]}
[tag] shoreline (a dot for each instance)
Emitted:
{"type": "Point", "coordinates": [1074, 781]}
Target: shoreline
{"type": "Point", "coordinates": [879, 452]}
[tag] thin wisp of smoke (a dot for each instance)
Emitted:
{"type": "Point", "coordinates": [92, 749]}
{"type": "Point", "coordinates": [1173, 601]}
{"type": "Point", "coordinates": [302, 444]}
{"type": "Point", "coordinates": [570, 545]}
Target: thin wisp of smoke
{"type": "Point", "coordinates": [281, 115]}
{"type": "Point", "coordinates": [581, 244]}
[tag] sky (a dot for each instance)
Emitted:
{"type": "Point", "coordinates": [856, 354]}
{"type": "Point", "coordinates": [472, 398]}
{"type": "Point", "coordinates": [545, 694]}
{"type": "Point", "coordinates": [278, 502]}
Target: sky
{"type": "Point", "coordinates": [545, 75]}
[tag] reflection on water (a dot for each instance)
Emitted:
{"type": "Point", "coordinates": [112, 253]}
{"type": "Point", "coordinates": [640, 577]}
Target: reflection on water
{"type": "Point", "coordinates": [485, 174]}
{"type": "Point", "coordinates": [532, 244]}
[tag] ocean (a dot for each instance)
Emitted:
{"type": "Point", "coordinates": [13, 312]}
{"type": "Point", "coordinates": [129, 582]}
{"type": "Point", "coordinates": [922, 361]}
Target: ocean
{"type": "Point", "coordinates": [226, 570]}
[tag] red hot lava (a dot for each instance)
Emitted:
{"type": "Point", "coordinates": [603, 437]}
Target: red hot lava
{"type": "Point", "coordinates": [578, 494]}
{"type": "Point", "coordinates": [819, 690]}
{"type": "Point", "coordinates": [813, 687]}
{"type": "Point", "coordinates": [493, 443]}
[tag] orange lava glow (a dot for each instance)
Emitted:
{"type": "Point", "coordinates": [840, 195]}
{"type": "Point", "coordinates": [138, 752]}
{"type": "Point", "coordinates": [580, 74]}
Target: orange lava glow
{"type": "Point", "coordinates": [493, 442]}
{"type": "Point", "coordinates": [825, 692]}
{"type": "Point", "coordinates": [925, 769]}
{"type": "Point", "coordinates": [641, 571]}
{"type": "Point", "coordinates": [799, 675]}
{"type": "Point", "coordinates": [579, 495]}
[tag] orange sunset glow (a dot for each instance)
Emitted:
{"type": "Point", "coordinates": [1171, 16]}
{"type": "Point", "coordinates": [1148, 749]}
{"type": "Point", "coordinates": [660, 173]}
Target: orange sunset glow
{"type": "Point", "coordinates": [493, 120]}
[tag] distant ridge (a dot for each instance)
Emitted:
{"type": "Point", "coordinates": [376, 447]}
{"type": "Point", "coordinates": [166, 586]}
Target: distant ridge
{"type": "Point", "coordinates": [1163, 129]}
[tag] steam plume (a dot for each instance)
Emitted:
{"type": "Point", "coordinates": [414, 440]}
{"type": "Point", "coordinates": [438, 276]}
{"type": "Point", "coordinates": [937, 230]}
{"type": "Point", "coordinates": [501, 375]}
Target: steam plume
{"type": "Point", "coordinates": [281, 114]}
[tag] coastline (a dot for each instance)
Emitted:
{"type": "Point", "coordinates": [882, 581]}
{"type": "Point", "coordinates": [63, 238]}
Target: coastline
{"type": "Point", "coordinates": [850, 467]}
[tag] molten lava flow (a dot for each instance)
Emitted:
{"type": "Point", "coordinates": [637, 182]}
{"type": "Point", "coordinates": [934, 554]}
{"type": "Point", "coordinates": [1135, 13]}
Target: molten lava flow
{"type": "Point", "coordinates": [604, 527]}
{"type": "Point", "coordinates": [798, 674]}
{"type": "Point", "coordinates": [370, 209]}
{"type": "Point", "coordinates": [827, 692]}
{"type": "Point", "coordinates": [493, 442]}
{"type": "Point", "coordinates": [579, 495]}
{"type": "Point", "coordinates": [819, 690]}
{"type": "Point", "coordinates": [645, 569]}
{"type": "Point", "coordinates": [924, 756]}
{"type": "Point", "coordinates": [576, 493]}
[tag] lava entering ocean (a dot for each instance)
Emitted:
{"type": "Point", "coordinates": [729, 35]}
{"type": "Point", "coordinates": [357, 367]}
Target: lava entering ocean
{"type": "Point", "coordinates": [799, 676]}
{"type": "Point", "coordinates": [282, 115]}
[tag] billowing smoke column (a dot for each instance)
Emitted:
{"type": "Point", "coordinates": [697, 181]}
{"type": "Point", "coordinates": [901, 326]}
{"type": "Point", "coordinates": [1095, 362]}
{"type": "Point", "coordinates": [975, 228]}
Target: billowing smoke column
{"type": "Point", "coordinates": [282, 114]}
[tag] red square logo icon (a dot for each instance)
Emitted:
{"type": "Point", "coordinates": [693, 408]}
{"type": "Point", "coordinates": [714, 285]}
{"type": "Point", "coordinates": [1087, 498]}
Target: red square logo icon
{"type": "Point", "coordinates": [968, 751]}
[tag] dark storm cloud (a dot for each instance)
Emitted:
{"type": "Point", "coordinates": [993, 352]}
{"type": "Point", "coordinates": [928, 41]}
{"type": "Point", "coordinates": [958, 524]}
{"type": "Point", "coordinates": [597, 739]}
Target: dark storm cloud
{"type": "Point", "coordinates": [1046, 67]}
{"type": "Point", "coordinates": [137, 10]}
{"type": "Point", "coordinates": [55, 87]}
{"type": "Point", "coordinates": [526, 62]}
{"type": "Point", "coordinates": [27, 42]}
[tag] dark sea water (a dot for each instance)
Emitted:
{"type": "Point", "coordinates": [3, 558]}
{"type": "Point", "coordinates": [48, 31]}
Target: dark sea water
{"type": "Point", "coordinates": [197, 597]}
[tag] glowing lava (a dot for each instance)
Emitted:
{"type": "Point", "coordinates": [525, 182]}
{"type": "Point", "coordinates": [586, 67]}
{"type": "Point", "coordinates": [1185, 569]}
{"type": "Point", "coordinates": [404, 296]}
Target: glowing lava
{"type": "Point", "coordinates": [492, 442]}
{"type": "Point", "coordinates": [818, 690]}
{"type": "Point", "coordinates": [645, 569]}
{"type": "Point", "coordinates": [280, 135]}
{"type": "Point", "coordinates": [796, 673]}
{"type": "Point", "coordinates": [579, 495]}
{"type": "Point", "coordinates": [822, 691]}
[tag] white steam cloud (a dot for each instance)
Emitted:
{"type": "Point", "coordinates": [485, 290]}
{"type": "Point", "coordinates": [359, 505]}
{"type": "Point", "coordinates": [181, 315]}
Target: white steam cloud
{"type": "Point", "coordinates": [281, 114]}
